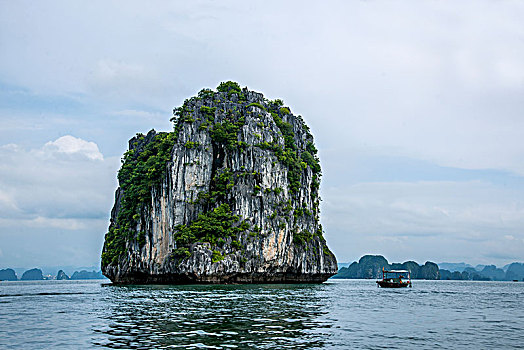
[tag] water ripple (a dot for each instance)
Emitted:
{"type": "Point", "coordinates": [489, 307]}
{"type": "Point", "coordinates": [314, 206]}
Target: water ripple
{"type": "Point", "coordinates": [336, 314]}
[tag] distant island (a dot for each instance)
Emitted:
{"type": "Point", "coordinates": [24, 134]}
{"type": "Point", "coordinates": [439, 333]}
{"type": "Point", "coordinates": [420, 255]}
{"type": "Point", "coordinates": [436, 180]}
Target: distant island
{"type": "Point", "coordinates": [32, 275]}
{"type": "Point", "coordinates": [510, 272]}
{"type": "Point", "coordinates": [8, 275]}
{"type": "Point", "coordinates": [370, 266]}
{"type": "Point", "coordinates": [37, 275]}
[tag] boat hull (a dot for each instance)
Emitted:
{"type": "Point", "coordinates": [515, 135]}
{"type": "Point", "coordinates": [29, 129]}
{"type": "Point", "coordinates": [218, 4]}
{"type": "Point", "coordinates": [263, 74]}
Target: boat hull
{"type": "Point", "coordinates": [387, 284]}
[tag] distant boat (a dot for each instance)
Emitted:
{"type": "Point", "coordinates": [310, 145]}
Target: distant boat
{"type": "Point", "coordinates": [395, 279]}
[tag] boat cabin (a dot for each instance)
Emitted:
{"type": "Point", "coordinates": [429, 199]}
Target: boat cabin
{"type": "Point", "coordinates": [395, 279]}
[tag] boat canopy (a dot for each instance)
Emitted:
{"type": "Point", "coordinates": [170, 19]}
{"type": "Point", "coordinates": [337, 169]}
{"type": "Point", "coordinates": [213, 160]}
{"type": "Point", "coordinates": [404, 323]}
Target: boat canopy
{"type": "Point", "coordinates": [396, 271]}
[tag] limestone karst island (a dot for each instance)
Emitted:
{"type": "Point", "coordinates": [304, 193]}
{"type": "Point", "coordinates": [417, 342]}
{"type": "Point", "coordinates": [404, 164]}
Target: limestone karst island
{"type": "Point", "coordinates": [230, 196]}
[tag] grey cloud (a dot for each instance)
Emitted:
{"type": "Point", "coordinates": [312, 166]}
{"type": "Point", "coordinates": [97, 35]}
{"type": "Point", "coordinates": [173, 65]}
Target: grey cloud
{"type": "Point", "coordinates": [66, 178]}
{"type": "Point", "coordinates": [439, 219]}
{"type": "Point", "coordinates": [54, 202]}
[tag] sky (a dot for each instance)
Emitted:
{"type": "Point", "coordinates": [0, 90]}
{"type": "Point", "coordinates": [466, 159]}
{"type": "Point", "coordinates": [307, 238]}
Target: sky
{"type": "Point", "coordinates": [417, 108]}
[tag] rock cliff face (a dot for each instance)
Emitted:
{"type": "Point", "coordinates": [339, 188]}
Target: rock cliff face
{"type": "Point", "coordinates": [231, 196]}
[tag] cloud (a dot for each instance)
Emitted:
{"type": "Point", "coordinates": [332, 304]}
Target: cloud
{"type": "Point", "coordinates": [54, 199]}
{"type": "Point", "coordinates": [67, 178]}
{"type": "Point", "coordinates": [7, 202]}
{"type": "Point", "coordinates": [71, 145]}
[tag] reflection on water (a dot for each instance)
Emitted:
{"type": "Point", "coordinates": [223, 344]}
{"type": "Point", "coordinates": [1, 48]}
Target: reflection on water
{"type": "Point", "coordinates": [261, 316]}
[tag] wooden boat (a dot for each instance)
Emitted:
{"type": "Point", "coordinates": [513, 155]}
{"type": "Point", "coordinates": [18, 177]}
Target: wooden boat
{"type": "Point", "coordinates": [395, 279]}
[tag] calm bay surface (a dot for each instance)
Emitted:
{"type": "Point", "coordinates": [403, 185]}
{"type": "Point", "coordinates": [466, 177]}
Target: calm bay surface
{"type": "Point", "coordinates": [339, 314]}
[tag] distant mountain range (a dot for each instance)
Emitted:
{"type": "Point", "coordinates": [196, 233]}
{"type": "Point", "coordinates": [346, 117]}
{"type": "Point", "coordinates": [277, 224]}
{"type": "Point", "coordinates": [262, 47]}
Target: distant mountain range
{"type": "Point", "coordinates": [370, 266]}
{"type": "Point", "coordinates": [53, 270]}
{"type": "Point", "coordinates": [510, 272]}
{"type": "Point", "coordinates": [36, 274]}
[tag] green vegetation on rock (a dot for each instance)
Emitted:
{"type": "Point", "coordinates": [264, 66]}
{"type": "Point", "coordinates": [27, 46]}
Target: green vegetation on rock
{"type": "Point", "coordinates": [190, 144]}
{"type": "Point", "coordinates": [227, 133]}
{"type": "Point", "coordinates": [302, 237]}
{"type": "Point", "coordinates": [217, 256]}
{"type": "Point", "coordinates": [256, 104]}
{"type": "Point", "coordinates": [142, 168]}
{"type": "Point", "coordinates": [231, 87]}
{"type": "Point", "coordinates": [216, 224]}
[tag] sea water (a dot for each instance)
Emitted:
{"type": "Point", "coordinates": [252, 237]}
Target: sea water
{"type": "Point", "coordinates": [338, 314]}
